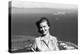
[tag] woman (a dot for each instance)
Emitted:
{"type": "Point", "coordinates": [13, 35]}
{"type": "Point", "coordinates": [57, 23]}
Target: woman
{"type": "Point", "coordinates": [45, 42]}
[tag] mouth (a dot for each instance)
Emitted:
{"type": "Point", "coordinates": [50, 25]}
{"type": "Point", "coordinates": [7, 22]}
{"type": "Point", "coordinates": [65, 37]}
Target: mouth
{"type": "Point", "coordinates": [43, 32]}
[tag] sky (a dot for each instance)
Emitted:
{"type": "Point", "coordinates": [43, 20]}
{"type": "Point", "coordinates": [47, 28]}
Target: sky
{"type": "Point", "coordinates": [28, 4]}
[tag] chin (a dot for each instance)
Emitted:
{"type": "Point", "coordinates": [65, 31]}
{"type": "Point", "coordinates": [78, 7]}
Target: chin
{"type": "Point", "coordinates": [44, 33]}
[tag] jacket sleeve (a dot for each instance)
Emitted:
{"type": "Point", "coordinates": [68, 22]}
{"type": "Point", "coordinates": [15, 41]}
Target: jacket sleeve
{"type": "Point", "coordinates": [55, 41]}
{"type": "Point", "coordinates": [33, 48]}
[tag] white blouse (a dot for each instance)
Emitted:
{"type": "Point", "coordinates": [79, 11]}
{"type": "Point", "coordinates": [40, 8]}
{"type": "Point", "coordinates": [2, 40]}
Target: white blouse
{"type": "Point", "coordinates": [46, 44]}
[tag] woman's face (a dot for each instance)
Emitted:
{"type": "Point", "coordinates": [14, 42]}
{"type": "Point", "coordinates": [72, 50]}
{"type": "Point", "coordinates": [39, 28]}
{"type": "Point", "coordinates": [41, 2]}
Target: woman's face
{"type": "Point", "coordinates": [44, 28]}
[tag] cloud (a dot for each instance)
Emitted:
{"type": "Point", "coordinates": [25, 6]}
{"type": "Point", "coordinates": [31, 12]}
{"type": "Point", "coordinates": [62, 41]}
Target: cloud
{"type": "Point", "coordinates": [59, 13]}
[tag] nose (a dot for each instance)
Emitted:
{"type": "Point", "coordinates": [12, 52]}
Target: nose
{"type": "Point", "coordinates": [42, 29]}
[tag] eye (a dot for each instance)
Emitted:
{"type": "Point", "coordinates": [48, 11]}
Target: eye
{"type": "Point", "coordinates": [40, 27]}
{"type": "Point", "coordinates": [44, 26]}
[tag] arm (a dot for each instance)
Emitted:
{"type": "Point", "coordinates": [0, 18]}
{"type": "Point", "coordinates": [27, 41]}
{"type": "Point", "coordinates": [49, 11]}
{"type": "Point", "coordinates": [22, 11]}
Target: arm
{"type": "Point", "coordinates": [33, 48]}
{"type": "Point", "coordinates": [55, 41]}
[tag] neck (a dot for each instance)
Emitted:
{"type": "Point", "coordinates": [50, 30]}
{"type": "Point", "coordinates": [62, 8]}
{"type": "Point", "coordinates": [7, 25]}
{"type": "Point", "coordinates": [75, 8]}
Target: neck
{"type": "Point", "coordinates": [47, 35]}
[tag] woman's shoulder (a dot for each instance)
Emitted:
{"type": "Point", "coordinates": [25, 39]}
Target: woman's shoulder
{"type": "Point", "coordinates": [53, 37]}
{"type": "Point", "coordinates": [37, 38]}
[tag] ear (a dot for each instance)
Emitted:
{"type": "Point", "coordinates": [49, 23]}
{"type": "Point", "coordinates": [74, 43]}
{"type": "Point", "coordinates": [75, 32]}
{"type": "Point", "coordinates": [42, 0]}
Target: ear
{"type": "Point", "coordinates": [48, 27]}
